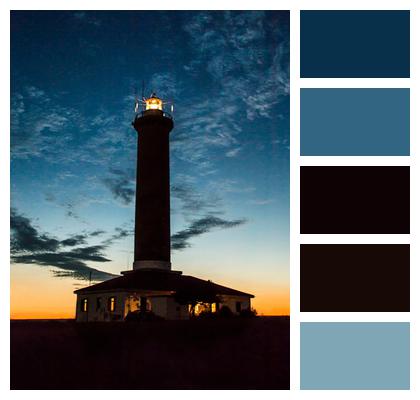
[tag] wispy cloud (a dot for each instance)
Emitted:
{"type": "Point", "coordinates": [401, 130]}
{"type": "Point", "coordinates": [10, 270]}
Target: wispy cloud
{"type": "Point", "coordinates": [30, 246]}
{"type": "Point", "coordinates": [232, 46]}
{"type": "Point", "coordinates": [224, 186]}
{"type": "Point", "coordinates": [194, 203]}
{"type": "Point", "coordinates": [181, 239]}
{"type": "Point", "coordinates": [42, 127]}
{"type": "Point", "coordinates": [249, 79]}
{"type": "Point", "coordinates": [261, 202]}
{"type": "Point", "coordinates": [166, 84]}
{"type": "Point", "coordinates": [87, 17]}
{"type": "Point", "coordinates": [76, 240]}
{"type": "Point", "coordinates": [203, 210]}
{"type": "Point", "coordinates": [233, 153]}
{"type": "Point", "coordinates": [121, 185]}
{"type": "Point", "coordinates": [120, 233]}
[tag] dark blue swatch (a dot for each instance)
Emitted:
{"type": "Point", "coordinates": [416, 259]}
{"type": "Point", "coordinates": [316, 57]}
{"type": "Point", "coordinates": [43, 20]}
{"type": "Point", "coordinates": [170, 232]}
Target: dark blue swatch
{"type": "Point", "coordinates": [355, 355]}
{"type": "Point", "coordinates": [355, 122]}
{"type": "Point", "coordinates": [355, 44]}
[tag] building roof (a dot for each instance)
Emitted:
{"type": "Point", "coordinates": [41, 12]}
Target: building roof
{"type": "Point", "coordinates": [161, 280]}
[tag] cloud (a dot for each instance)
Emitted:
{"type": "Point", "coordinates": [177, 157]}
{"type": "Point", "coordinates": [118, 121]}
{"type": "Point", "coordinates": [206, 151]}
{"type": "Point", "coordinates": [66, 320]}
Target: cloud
{"type": "Point", "coordinates": [43, 128]}
{"type": "Point", "coordinates": [74, 241]}
{"type": "Point", "coordinates": [225, 186]}
{"type": "Point", "coordinates": [121, 185]}
{"type": "Point", "coordinates": [29, 246]}
{"type": "Point", "coordinates": [164, 84]}
{"type": "Point", "coordinates": [261, 202]}
{"type": "Point", "coordinates": [76, 196]}
{"type": "Point", "coordinates": [192, 202]}
{"type": "Point", "coordinates": [25, 237]}
{"type": "Point", "coordinates": [34, 92]}
{"type": "Point", "coordinates": [97, 233]}
{"type": "Point", "coordinates": [246, 57]}
{"type": "Point", "coordinates": [71, 262]}
{"type": "Point", "coordinates": [120, 233]}
{"type": "Point", "coordinates": [201, 127]}
{"type": "Point", "coordinates": [87, 18]}
{"type": "Point", "coordinates": [70, 212]}
{"type": "Point", "coordinates": [233, 153]}
{"type": "Point", "coordinates": [180, 240]}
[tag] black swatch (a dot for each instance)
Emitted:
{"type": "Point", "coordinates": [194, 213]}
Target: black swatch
{"type": "Point", "coordinates": [355, 278]}
{"type": "Point", "coordinates": [357, 200]}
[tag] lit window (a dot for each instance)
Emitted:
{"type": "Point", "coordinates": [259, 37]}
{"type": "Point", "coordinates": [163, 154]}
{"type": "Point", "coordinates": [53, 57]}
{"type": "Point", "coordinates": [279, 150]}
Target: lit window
{"type": "Point", "coordinates": [111, 304]}
{"type": "Point", "coordinates": [84, 305]}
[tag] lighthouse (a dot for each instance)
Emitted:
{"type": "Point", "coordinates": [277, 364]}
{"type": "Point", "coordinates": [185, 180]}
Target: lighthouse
{"type": "Point", "coordinates": [152, 235]}
{"type": "Point", "coordinates": [152, 289]}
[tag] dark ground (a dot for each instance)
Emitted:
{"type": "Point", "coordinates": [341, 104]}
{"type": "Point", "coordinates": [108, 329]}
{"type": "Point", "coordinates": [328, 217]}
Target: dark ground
{"type": "Point", "coordinates": [200, 354]}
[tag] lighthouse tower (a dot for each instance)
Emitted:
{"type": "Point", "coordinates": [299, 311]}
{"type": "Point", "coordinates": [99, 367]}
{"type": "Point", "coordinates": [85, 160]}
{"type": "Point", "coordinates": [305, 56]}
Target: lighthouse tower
{"type": "Point", "coordinates": [152, 286]}
{"type": "Point", "coordinates": [152, 236]}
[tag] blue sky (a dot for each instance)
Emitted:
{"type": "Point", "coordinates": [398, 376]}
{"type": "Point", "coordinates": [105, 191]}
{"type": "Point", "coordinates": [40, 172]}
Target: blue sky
{"type": "Point", "coordinates": [73, 149]}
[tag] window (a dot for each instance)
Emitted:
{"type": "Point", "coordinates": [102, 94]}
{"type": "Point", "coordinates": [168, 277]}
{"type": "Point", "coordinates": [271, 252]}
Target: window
{"type": "Point", "coordinates": [111, 304]}
{"type": "Point", "coordinates": [238, 306]}
{"type": "Point", "coordinates": [84, 305]}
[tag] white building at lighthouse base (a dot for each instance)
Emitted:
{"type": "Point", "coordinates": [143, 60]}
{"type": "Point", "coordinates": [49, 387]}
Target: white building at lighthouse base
{"type": "Point", "coordinates": [156, 292]}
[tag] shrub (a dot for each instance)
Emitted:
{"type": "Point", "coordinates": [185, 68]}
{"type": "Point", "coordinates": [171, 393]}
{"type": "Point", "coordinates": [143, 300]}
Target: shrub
{"type": "Point", "coordinates": [207, 314]}
{"type": "Point", "coordinates": [137, 316]}
{"type": "Point", "coordinates": [225, 312]}
{"type": "Point", "coordinates": [248, 313]}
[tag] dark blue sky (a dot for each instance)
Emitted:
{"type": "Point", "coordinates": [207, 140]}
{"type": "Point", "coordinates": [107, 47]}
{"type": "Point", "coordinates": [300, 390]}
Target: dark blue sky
{"type": "Point", "coordinates": [73, 148]}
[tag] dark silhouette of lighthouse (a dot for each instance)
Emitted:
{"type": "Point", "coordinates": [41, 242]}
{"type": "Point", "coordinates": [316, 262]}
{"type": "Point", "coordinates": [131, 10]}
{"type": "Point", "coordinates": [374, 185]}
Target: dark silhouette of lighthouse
{"type": "Point", "coordinates": [152, 287]}
{"type": "Point", "coordinates": [152, 236]}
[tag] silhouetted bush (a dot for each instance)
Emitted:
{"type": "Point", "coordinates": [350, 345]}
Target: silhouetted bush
{"type": "Point", "coordinates": [207, 314]}
{"type": "Point", "coordinates": [137, 316]}
{"type": "Point", "coordinates": [248, 313]}
{"type": "Point", "coordinates": [225, 312]}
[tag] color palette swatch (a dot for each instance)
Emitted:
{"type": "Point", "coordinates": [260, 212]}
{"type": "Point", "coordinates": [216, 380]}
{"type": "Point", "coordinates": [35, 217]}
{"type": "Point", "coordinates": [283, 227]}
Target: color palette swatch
{"type": "Point", "coordinates": [354, 199]}
{"type": "Point", "coordinates": [355, 277]}
{"type": "Point", "coordinates": [355, 355]}
{"type": "Point", "coordinates": [355, 122]}
{"type": "Point", "coordinates": [369, 279]}
{"type": "Point", "coordinates": [355, 44]}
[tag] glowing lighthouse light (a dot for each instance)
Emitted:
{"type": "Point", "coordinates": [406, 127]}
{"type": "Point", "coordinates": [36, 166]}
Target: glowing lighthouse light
{"type": "Point", "coordinates": [154, 103]}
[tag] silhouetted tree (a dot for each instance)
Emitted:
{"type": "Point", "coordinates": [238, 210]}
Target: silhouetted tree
{"type": "Point", "coordinates": [192, 298]}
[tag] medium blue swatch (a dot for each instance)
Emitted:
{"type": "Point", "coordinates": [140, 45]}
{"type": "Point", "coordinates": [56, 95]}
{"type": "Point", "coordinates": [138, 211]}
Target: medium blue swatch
{"type": "Point", "coordinates": [355, 44]}
{"type": "Point", "coordinates": [355, 355]}
{"type": "Point", "coordinates": [355, 122]}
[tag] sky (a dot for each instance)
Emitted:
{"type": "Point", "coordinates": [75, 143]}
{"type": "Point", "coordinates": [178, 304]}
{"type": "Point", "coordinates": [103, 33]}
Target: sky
{"type": "Point", "coordinates": [74, 78]}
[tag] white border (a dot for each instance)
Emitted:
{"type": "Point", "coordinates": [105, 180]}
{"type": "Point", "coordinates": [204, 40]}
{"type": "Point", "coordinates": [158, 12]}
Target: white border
{"type": "Point", "coordinates": [296, 161]}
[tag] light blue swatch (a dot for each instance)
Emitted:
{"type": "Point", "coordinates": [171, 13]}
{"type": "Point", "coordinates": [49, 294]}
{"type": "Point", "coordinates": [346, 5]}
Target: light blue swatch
{"type": "Point", "coordinates": [355, 355]}
{"type": "Point", "coordinates": [355, 122]}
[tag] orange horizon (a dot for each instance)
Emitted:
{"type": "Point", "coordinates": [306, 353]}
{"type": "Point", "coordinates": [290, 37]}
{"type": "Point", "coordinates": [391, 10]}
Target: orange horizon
{"type": "Point", "coordinates": [28, 315]}
{"type": "Point", "coordinates": [34, 297]}
{"type": "Point", "coordinates": [23, 314]}
{"type": "Point", "coordinates": [21, 318]}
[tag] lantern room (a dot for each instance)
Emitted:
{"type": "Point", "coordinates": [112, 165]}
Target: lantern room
{"type": "Point", "coordinates": [154, 103]}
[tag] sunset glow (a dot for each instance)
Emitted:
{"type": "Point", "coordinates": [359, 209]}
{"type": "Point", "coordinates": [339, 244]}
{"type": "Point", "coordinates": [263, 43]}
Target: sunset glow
{"type": "Point", "coordinates": [75, 78]}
